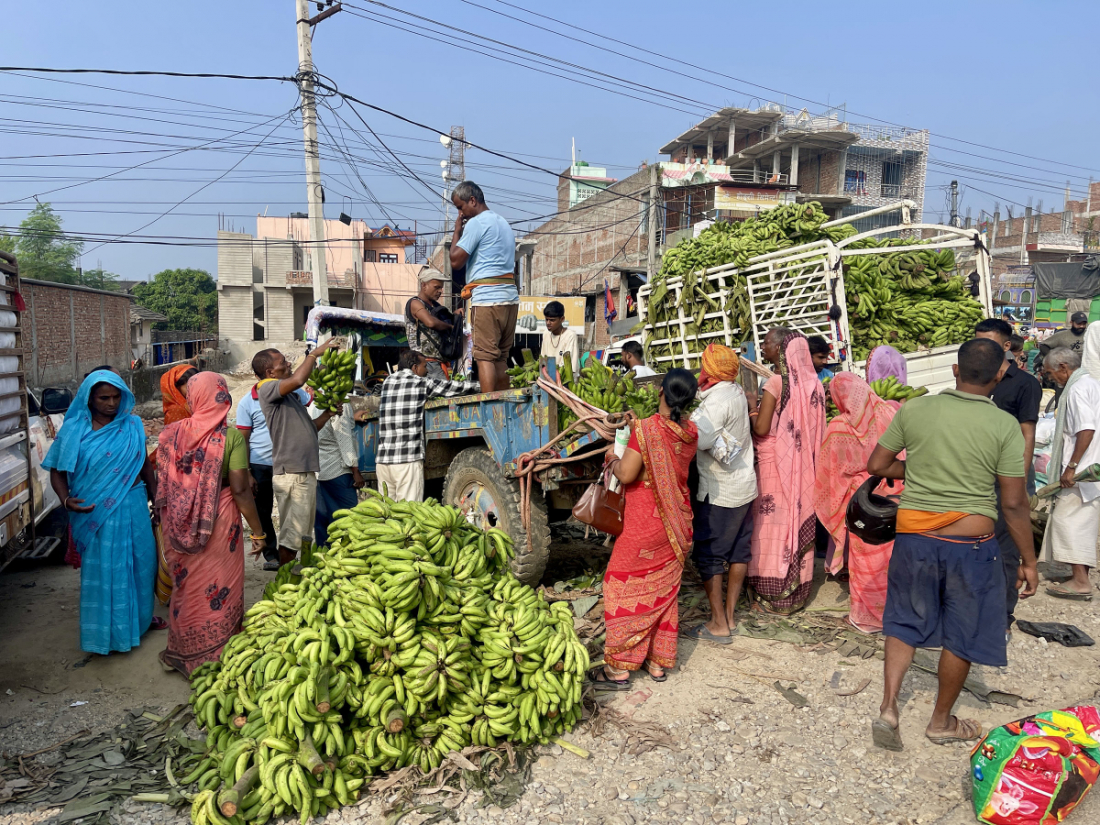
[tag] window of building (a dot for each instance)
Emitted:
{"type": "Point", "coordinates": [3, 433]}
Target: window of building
{"type": "Point", "coordinates": [387, 258]}
{"type": "Point", "coordinates": [892, 179]}
{"type": "Point", "coordinates": [370, 256]}
{"type": "Point", "coordinates": [855, 182]}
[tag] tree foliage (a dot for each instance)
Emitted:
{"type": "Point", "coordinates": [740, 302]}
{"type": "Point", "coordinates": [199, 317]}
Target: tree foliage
{"type": "Point", "coordinates": [45, 251]}
{"type": "Point", "coordinates": [189, 297]}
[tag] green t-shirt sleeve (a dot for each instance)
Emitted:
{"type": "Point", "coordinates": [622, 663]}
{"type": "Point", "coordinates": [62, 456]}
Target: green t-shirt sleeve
{"type": "Point", "coordinates": [236, 452]}
{"type": "Point", "coordinates": [1011, 461]}
{"type": "Point", "coordinates": [894, 437]}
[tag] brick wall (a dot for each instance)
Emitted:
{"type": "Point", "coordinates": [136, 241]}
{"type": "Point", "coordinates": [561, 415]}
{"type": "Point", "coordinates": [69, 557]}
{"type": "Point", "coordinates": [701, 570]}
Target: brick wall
{"type": "Point", "coordinates": [68, 330]}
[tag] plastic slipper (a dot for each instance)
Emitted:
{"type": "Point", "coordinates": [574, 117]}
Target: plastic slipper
{"type": "Point", "coordinates": [966, 730]}
{"type": "Point", "coordinates": [599, 678]}
{"type": "Point", "coordinates": [702, 634]}
{"type": "Point", "coordinates": [1060, 591]}
{"type": "Point", "coordinates": [662, 678]}
{"type": "Point", "coordinates": [886, 737]}
{"type": "Point", "coordinates": [271, 566]}
{"type": "Point", "coordinates": [1064, 634]}
{"type": "Point", "coordinates": [158, 624]}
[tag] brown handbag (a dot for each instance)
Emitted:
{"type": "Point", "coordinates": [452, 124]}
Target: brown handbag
{"type": "Point", "coordinates": [601, 508]}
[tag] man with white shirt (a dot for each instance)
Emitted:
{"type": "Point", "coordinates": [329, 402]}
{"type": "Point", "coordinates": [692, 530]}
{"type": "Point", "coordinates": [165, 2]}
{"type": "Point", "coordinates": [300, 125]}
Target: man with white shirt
{"type": "Point", "coordinates": [1075, 521]}
{"type": "Point", "coordinates": [339, 479]}
{"type": "Point", "coordinates": [558, 340]}
{"type": "Point", "coordinates": [633, 358]}
{"type": "Point", "coordinates": [727, 488]}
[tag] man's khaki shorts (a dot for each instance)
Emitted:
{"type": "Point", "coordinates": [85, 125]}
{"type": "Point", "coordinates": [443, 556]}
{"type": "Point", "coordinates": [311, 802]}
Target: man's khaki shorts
{"type": "Point", "coordinates": [402, 482]}
{"type": "Point", "coordinates": [296, 497]}
{"type": "Point", "coordinates": [494, 331]}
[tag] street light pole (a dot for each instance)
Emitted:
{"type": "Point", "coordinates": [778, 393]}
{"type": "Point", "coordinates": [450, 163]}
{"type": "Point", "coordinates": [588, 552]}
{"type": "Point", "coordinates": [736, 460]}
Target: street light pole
{"type": "Point", "coordinates": [314, 191]}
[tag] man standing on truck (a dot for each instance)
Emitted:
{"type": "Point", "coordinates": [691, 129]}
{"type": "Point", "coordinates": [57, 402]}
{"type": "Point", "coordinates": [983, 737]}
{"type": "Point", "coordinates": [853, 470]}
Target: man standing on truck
{"type": "Point", "coordinates": [484, 243]}
{"type": "Point", "coordinates": [559, 340]}
{"type": "Point", "coordinates": [1019, 395]}
{"type": "Point", "coordinates": [294, 452]}
{"type": "Point", "coordinates": [946, 584]}
{"type": "Point", "coordinates": [400, 457]}
{"type": "Point", "coordinates": [253, 426]}
{"type": "Point", "coordinates": [427, 321]}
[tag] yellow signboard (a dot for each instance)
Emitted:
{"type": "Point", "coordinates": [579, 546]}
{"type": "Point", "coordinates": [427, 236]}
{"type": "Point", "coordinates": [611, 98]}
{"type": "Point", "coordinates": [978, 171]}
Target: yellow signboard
{"type": "Point", "coordinates": [746, 199]}
{"type": "Point", "coordinates": [532, 322]}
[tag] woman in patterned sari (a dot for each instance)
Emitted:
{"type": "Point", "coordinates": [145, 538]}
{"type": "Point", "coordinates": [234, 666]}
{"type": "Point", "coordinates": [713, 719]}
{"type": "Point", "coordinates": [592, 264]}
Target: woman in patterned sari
{"type": "Point", "coordinates": [203, 488]}
{"type": "Point", "coordinates": [850, 438]}
{"type": "Point", "coordinates": [642, 583]}
{"type": "Point", "coordinates": [99, 470]}
{"type": "Point", "coordinates": [787, 427]}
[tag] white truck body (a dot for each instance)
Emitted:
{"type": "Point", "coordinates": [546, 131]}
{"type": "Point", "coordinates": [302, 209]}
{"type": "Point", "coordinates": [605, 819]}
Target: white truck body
{"type": "Point", "coordinates": [796, 287]}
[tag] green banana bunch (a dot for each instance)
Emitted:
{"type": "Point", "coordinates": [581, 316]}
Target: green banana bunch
{"type": "Point", "coordinates": [831, 410]}
{"type": "Point", "coordinates": [406, 638]}
{"type": "Point", "coordinates": [527, 373]}
{"type": "Point", "coordinates": [332, 378]}
{"type": "Point", "coordinates": [890, 389]}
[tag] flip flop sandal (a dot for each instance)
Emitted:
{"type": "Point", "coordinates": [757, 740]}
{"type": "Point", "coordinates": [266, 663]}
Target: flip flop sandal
{"type": "Point", "coordinates": [702, 634]}
{"type": "Point", "coordinates": [966, 730]}
{"type": "Point", "coordinates": [158, 624]}
{"type": "Point", "coordinates": [662, 678]}
{"type": "Point", "coordinates": [886, 737]}
{"type": "Point", "coordinates": [601, 681]}
{"type": "Point", "coordinates": [1060, 592]}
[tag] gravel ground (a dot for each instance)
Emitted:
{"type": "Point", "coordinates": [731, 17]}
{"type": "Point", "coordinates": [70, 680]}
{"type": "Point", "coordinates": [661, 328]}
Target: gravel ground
{"type": "Point", "coordinates": [737, 751]}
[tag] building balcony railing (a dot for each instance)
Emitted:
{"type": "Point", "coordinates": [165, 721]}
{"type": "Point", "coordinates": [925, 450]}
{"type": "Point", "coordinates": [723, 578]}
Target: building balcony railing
{"type": "Point", "coordinates": [897, 190]}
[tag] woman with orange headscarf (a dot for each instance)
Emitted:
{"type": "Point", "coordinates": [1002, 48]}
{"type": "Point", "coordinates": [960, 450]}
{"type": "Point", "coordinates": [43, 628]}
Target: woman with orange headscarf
{"type": "Point", "coordinates": [203, 488]}
{"type": "Point", "coordinates": [850, 438]}
{"type": "Point", "coordinates": [173, 392]}
{"type": "Point", "coordinates": [727, 487]}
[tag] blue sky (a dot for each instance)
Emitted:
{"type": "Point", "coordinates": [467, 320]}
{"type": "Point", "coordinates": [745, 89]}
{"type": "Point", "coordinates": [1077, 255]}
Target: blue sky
{"type": "Point", "coordinates": [1003, 78]}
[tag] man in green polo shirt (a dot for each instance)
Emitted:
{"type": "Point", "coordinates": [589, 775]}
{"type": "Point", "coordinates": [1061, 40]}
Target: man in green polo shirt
{"type": "Point", "coordinates": [946, 585]}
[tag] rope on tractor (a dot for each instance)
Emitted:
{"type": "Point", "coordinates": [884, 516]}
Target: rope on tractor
{"type": "Point", "coordinates": [589, 418]}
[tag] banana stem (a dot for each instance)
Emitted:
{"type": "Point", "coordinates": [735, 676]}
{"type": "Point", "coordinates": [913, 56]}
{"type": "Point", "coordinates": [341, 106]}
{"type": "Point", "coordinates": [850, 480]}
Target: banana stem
{"type": "Point", "coordinates": [323, 703]}
{"type": "Point", "coordinates": [229, 799]}
{"type": "Point", "coordinates": [569, 746]}
{"type": "Point", "coordinates": [396, 720]}
{"type": "Point", "coordinates": [150, 797]}
{"type": "Point", "coordinates": [310, 759]}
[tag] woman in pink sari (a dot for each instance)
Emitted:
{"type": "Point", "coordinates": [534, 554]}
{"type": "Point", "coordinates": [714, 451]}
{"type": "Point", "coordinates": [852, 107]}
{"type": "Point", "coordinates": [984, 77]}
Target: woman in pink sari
{"type": "Point", "coordinates": [642, 583]}
{"type": "Point", "coordinates": [203, 488]}
{"type": "Point", "coordinates": [787, 429]}
{"type": "Point", "coordinates": [850, 438]}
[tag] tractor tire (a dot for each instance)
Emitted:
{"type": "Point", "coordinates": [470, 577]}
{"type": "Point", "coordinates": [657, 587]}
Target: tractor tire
{"type": "Point", "coordinates": [476, 485]}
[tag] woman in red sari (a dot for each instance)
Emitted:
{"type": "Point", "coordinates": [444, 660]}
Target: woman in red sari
{"type": "Point", "coordinates": [173, 392]}
{"type": "Point", "coordinates": [642, 583]}
{"type": "Point", "coordinates": [850, 438]}
{"type": "Point", "coordinates": [202, 491]}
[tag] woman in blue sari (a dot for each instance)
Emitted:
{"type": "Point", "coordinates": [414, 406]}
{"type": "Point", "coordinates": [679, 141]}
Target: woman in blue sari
{"type": "Point", "coordinates": [99, 470]}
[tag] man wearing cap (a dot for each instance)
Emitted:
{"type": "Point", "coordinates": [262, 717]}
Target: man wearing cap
{"type": "Point", "coordinates": [427, 321]}
{"type": "Point", "coordinates": [484, 243]}
{"type": "Point", "coordinates": [557, 339]}
{"type": "Point", "coordinates": [1072, 338]}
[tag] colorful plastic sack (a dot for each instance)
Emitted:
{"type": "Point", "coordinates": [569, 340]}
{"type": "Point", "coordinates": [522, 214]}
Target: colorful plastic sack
{"type": "Point", "coordinates": [1034, 771]}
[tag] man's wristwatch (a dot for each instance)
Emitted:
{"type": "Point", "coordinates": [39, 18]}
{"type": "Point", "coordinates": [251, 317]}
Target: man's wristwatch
{"type": "Point", "coordinates": [1072, 465]}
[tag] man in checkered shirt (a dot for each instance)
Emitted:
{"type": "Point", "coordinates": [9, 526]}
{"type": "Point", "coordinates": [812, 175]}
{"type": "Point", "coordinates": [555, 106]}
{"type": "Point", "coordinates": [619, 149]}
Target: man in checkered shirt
{"type": "Point", "coordinates": [400, 456]}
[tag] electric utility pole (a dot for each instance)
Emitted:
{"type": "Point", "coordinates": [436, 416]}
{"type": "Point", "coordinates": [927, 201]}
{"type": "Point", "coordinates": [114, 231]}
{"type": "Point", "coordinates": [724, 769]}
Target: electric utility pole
{"type": "Point", "coordinates": [314, 191]}
{"type": "Point", "coordinates": [954, 203]}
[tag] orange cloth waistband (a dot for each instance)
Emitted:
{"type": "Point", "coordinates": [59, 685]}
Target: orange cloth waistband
{"type": "Point", "coordinates": [921, 521]}
{"type": "Point", "coordinates": [494, 280]}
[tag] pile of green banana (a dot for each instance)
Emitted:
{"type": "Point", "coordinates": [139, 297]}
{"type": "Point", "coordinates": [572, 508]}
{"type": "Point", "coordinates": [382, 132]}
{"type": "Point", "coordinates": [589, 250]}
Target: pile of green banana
{"type": "Point", "coordinates": [290, 573]}
{"type": "Point", "coordinates": [605, 389]}
{"type": "Point", "coordinates": [890, 389]}
{"type": "Point", "coordinates": [408, 639]}
{"type": "Point", "coordinates": [907, 299]}
{"type": "Point", "coordinates": [527, 373]}
{"type": "Point", "coordinates": [333, 378]}
{"type": "Point", "coordinates": [831, 410]}
{"type": "Point", "coordinates": [718, 245]}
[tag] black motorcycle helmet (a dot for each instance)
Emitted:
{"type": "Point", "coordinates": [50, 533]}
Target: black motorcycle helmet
{"type": "Point", "coordinates": [871, 517]}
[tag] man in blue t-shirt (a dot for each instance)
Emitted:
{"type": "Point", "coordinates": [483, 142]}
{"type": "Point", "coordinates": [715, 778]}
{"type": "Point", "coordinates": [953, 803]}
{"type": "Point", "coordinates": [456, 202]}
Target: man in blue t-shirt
{"type": "Point", "coordinates": [484, 243]}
